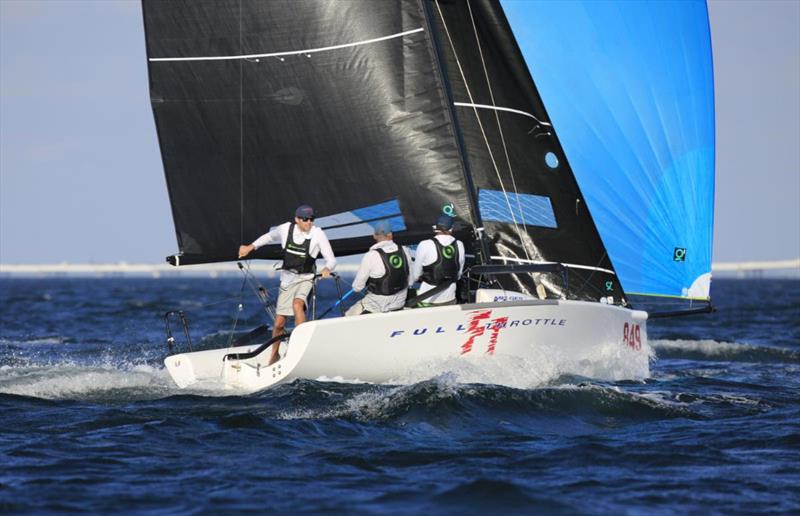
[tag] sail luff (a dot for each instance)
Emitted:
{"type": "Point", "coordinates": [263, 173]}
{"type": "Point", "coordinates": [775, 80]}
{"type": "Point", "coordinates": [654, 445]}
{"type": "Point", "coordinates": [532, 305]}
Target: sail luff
{"type": "Point", "coordinates": [162, 155]}
{"type": "Point", "coordinates": [472, 193]}
{"type": "Point", "coordinates": [530, 204]}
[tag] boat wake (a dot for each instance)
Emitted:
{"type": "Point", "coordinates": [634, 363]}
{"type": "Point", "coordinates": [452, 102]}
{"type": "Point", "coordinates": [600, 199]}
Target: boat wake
{"type": "Point", "coordinates": [101, 382]}
{"type": "Point", "coordinates": [545, 366]}
{"type": "Point", "coordinates": [705, 350]}
{"type": "Point", "coordinates": [107, 380]}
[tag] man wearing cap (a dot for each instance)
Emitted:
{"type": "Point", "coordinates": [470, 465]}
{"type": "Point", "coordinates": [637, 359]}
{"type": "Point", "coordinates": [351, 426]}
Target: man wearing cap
{"type": "Point", "coordinates": [384, 272]}
{"type": "Point", "coordinates": [302, 242]}
{"type": "Point", "coordinates": [439, 261]}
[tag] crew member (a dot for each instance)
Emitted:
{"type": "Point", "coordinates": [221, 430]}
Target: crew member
{"type": "Point", "coordinates": [439, 261]}
{"type": "Point", "coordinates": [384, 271]}
{"type": "Point", "coordinates": [302, 243]}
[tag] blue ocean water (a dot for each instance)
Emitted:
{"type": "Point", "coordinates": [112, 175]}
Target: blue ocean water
{"type": "Point", "coordinates": [90, 421]}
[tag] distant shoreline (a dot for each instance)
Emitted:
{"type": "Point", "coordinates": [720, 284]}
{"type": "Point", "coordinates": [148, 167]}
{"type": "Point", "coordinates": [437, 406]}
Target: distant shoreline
{"type": "Point", "coordinates": [123, 269]}
{"type": "Point", "coordinates": [789, 269]}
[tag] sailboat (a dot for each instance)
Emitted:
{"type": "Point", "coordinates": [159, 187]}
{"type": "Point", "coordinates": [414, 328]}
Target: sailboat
{"type": "Point", "coordinates": [394, 110]}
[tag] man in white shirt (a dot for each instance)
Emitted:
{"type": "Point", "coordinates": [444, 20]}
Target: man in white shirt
{"type": "Point", "coordinates": [384, 271]}
{"type": "Point", "coordinates": [302, 242]}
{"type": "Point", "coordinates": [439, 261]}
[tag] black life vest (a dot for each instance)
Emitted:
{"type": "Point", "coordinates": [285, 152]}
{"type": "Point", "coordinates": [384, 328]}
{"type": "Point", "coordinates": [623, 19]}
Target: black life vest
{"type": "Point", "coordinates": [445, 268]}
{"type": "Point", "coordinates": [395, 278]}
{"type": "Point", "coordinates": [297, 258]}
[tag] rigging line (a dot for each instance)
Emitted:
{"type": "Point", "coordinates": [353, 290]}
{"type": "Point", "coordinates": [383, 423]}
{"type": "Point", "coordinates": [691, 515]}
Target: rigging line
{"type": "Point", "coordinates": [241, 133]}
{"type": "Point", "coordinates": [480, 124]}
{"type": "Point", "coordinates": [289, 52]}
{"type": "Point", "coordinates": [499, 127]}
{"type": "Point", "coordinates": [239, 307]}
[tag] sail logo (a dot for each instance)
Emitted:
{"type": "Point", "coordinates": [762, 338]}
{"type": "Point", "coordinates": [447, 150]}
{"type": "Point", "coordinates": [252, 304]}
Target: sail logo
{"type": "Point", "coordinates": [679, 254]}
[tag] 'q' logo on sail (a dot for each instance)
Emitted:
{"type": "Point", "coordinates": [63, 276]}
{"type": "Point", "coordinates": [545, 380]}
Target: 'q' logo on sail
{"type": "Point", "coordinates": [449, 209]}
{"type": "Point", "coordinates": [395, 261]}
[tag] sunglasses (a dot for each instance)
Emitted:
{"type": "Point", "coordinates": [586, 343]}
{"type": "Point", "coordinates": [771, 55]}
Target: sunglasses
{"type": "Point", "coordinates": [306, 219]}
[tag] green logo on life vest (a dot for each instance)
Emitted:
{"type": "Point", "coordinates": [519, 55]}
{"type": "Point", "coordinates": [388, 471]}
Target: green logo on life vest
{"type": "Point", "coordinates": [448, 251]}
{"type": "Point", "coordinates": [395, 261]}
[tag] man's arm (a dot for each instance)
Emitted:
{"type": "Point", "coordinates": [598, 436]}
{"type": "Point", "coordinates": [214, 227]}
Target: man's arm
{"type": "Point", "coordinates": [422, 255]}
{"type": "Point", "coordinates": [410, 263]}
{"type": "Point", "coordinates": [363, 273]}
{"type": "Point", "coordinates": [461, 258]}
{"type": "Point", "coordinates": [327, 253]}
{"type": "Point", "coordinates": [266, 238]}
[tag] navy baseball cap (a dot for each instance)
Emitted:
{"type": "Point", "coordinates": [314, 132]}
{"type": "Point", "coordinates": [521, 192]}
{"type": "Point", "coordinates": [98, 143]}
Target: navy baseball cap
{"type": "Point", "coordinates": [444, 222]}
{"type": "Point", "coordinates": [304, 211]}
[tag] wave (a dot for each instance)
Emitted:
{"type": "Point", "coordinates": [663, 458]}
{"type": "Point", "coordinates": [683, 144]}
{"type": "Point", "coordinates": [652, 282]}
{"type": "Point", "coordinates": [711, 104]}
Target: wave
{"type": "Point", "coordinates": [44, 340]}
{"type": "Point", "coordinates": [704, 350]}
{"type": "Point", "coordinates": [444, 397]}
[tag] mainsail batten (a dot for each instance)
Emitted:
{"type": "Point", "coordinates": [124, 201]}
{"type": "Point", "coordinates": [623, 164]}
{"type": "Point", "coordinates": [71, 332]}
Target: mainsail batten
{"type": "Point", "coordinates": [306, 51]}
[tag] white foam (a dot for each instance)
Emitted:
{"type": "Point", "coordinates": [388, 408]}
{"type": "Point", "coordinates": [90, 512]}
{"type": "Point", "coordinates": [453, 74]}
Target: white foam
{"type": "Point", "coordinates": [610, 361]}
{"type": "Point", "coordinates": [34, 341]}
{"type": "Point", "coordinates": [706, 346]}
{"type": "Point", "coordinates": [71, 381]}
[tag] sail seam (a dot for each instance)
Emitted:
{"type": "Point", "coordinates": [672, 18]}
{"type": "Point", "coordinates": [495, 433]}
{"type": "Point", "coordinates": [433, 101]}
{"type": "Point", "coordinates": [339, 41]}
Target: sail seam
{"type": "Point", "coordinates": [289, 52]}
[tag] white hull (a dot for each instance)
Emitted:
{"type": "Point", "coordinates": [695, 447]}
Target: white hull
{"type": "Point", "coordinates": [383, 348]}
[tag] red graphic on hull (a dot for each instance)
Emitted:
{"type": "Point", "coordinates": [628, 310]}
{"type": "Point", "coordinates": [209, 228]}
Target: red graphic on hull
{"type": "Point", "coordinates": [475, 329]}
{"type": "Point", "coordinates": [497, 325]}
{"type": "Point", "coordinates": [477, 325]}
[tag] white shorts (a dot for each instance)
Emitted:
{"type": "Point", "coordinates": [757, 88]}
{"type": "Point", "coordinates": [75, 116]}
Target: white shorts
{"type": "Point", "coordinates": [288, 293]}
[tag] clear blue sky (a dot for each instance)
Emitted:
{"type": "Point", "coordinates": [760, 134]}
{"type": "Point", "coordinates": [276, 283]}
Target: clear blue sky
{"type": "Point", "coordinates": [81, 178]}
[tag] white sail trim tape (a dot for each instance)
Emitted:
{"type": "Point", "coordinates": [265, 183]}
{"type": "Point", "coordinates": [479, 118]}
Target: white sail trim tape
{"type": "Point", "coordinates": [290, 52]}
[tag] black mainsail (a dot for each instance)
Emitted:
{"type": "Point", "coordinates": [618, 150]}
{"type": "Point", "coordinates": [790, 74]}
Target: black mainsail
{"type": "Point", "coordinates": [367, 110]}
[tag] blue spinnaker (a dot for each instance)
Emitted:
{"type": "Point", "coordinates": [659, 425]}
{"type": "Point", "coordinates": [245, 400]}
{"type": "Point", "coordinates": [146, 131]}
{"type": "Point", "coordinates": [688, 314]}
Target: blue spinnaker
{"type": "Point", "coordinates": [629, 88]}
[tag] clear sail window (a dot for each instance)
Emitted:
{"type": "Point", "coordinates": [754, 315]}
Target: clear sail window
{"type": "Point", "coordinates": [551, 159]}
{"type": "Point", "coordinates": [360, 221]}
{"type": "Point", "coordinates": [528, 209]}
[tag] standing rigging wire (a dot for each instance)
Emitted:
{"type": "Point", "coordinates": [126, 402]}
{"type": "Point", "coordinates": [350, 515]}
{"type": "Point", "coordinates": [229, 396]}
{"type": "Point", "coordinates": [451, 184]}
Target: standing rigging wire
{"type": "Point", "coordinates": [241, 132]}
{"type": "Point", "coordinates": [500, 129]}
{"type": "Point", "coordinates": [480, 124]}
{"type": "Point", "coordinates": [239, 307]}
{"type": "Point", "coordinates": [258, 289]}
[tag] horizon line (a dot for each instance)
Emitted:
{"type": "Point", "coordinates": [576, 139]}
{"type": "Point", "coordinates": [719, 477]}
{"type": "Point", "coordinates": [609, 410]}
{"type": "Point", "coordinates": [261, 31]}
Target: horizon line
{"type": "Point", "coordinates": [268, 267]}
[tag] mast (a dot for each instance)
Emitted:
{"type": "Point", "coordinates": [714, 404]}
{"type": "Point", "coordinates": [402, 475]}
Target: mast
{"type": "Point", "coordinates": [478, 230]}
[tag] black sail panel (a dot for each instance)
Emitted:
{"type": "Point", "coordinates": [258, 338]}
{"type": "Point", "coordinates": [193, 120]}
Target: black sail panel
{"type": "Point", "coordinates": [530, 203]}
{"type": "Point", "coordinates": [262, 106]}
